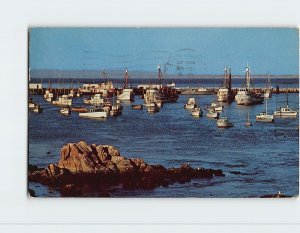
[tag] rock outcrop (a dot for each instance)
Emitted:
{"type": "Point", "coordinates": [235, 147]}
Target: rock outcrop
{"type": "Point", "coordinates": [84, 168]}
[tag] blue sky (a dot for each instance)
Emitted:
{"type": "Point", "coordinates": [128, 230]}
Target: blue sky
{"type": "Point", "coordinates": [178, 50]}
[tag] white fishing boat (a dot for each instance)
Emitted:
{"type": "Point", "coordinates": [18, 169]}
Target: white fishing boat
{"type": "Point", "coordinates": [94, 112]}
{"type": "Point", "coordinates": [225, 93]}
{"type": "Point", "coordinates": [246, 95]}
{"type": "Point", "coordinates": [63, 100]}
{"type": "Point", "coordinates": [215, 107]}
{"type": "Point", "coordinates": [71, 94]}
{"type": "Point", "coordinates": [115, 108]}
{"type": "Point", "coordinates": [152, 107]}
{"type": "Point", "coordinates": [97, 99]}
{"type": "Point", "coordinates": [223, 122]}
{"type": "Point", "coordinates": [126, 93]}
{"type": "Point", "coordinates": [264, 116]}
{"type": "Point", "coordinates": [48, 96]}
{"type": "Point", "coordinates": [204, 91]}
{"type": "Point", "coordinates": [197, 112]}
{"type": "Point", "coordinates": [286, 112]}
{"type": "Point", "coordinates": [31, 104]}
{"type": "Point", "coordinates": [160, 93]}
{"type": "Point", "coordinates": [248, 123]}
{"type": "Point", "coordinates": [37, 108]}
{"type": "Point", "coordinates": [212, 114]}
{"type": "Point", "coordinates": [65, 110]}
{"type": "Point", "coordinates": [191, 104]}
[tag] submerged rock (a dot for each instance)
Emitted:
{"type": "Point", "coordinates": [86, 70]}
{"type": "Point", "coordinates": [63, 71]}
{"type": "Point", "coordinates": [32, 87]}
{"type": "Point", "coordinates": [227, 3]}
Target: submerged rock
{"type": "Point", "coordinates": [85, 169]}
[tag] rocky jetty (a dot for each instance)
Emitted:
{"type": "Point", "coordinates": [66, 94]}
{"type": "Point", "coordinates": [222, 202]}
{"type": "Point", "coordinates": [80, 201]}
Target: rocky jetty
{"type": "Point", "coordinates": [85, 170]}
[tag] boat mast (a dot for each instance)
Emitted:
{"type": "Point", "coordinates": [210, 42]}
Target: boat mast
{"type": "Point", "coordinates": [126, 78]}
{"type": "Point", "coordinates": [266, 106]}
{"type": "Point", "coordinates": [229, 80]}
{"type": "Point", "coordinates": [248, 78]}
{"type": "Point", "coordinates": [287, 98]}
{"type": "Point", "coordinates": [159, 75]}
{"type": "Point", "coordinates": [225, 84]}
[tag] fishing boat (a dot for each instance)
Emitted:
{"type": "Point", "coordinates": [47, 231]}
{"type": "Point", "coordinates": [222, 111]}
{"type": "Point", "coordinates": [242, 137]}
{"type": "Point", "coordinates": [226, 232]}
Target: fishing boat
{"type": "Point", "coordinates": [223, 122]}
{"type": "Point", "coordinates": [65, 110]}
{"type": "Point", "coordinates": [197, 112]}
{"type": "Point", "coordinates": [115, 109]}
{"type": "Point", "coordinates": [97, 99]}
{"type": "Point", "coordinates": [264, 116]}
{"type": "Point", "coordinates": [268, 88]}
{"type": "Point", "coordinates": [94, 112]}
{"type": "Point", "coordinates": [212, 114]}
{"type": "Point", "coordinates": [71, 94]}
{"type": "Point", "coordinates": [63, 100]}
{"type": "Point", "coordinates": [31, 104]}
{"type": "Point", "coordinates": [225, 93]}
{"type": "Point", "coordinates": [79, 109]}
{"type": "Point", "coordinates": [215, 106]}
{"type": "Point", "coordinates": [152, 107]}
{"type": "Point", "coordinates": [160, 93]}
{"type": "Point", "coordinates": [248, 123]}
{"type": "Point", "coordinates": [286, 112]}
{"type": "Point", "coordinates": [137, 107]}
{"type": "Point", "coordinates": [196, 91]}
{"type": "Point", "coordinates": [48, 95]}
{"type": "Point", "coordinates": [37, 108]}
{"type": "Point", "coordinates": [204, 91]}
{"type": "Point", "coordinates": [191, 104]}
{"type": "Point", "coordinates": [246, 95]}
{"type": "Point", "coordinates": [126, 93]}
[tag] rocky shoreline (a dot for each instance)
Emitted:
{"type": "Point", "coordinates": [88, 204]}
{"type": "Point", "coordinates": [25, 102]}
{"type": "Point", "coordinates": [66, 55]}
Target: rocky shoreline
{"type": "Point", "coordinates": [84, 169]}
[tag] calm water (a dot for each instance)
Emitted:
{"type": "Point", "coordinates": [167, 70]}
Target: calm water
{"type": "Point", "coordinates": [267, 155]}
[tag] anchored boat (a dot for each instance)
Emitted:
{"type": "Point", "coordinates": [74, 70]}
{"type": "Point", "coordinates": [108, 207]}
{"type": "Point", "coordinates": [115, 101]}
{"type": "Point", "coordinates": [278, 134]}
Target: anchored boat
{"type": "Point", "coordinates": [223, 122]}
{"type": "Point", "coordinates": [160, 93]}
{"type": "Point", "coordinates": [225, 93]}
{"type": "Point", "coordinates": [248, 123]}
{"type": "Point", "coordinates": [264, 116]}
{"type": "Point", "coordinates": [212, 114]}
{"type": "Point", "coordinates": [191, 104]}
{"type": "Point", "coordinates": [246, 95]}
{"type": "Point", "coordinates": [95, 112]}
{"type": "Point", "coordinates": [126, 93]}
{"type": "Point", "coordinates": [63, 100]}
{"type": "Point", "coordinates": [65, 110]}
{"type": "Point", "coordinates": [215, 107]}
{"type": "Point", "coordinates": [286, 111]}
{"type": "Point", "coordinates": [97, 99]}
{"type": "Point", "coordinates": [197, 112]}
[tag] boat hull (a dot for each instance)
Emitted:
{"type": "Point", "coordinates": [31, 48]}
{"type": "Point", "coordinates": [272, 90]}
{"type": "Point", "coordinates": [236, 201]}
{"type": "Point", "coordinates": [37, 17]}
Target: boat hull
{"type": "Point", "coordinates": [248, 99]}
{"type": "Point", "coordinates": [285, 114]}
{"type": "Point", "coordinates": [94, 114]}
{"type": "Point", "coordinates": [264, 119]}
{"type": "Point", "coordinates": [137, 107]}
{"type": "Point", "coordinates": [126, 95]}
{"type": "Point", "coordinates": [212, 115]}
{"type": "Point", "coordinates": [221, 123]}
